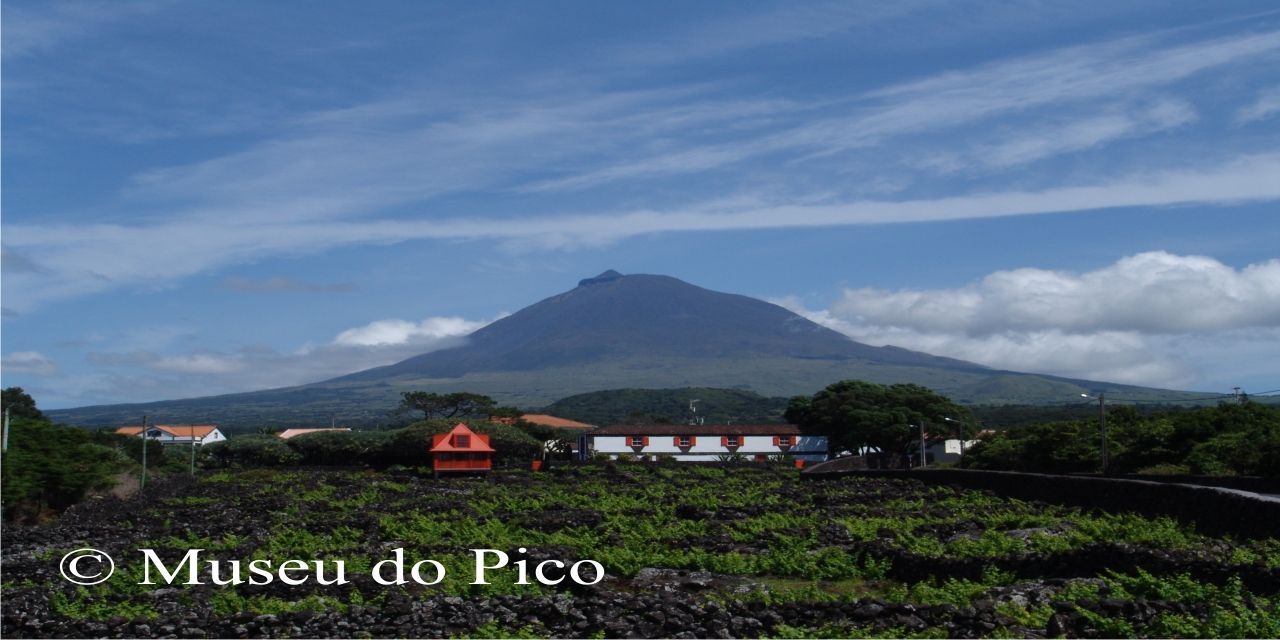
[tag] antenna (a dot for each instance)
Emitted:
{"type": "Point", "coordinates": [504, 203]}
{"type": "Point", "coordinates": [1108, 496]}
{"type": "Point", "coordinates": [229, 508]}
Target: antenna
{"type": "Point", "coordinates": [693, 412]}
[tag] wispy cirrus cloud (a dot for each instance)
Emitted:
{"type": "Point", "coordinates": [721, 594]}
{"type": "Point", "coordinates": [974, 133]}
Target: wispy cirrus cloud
{"type": "Point", "coordinates": [732, 34]}
{"type": "Point", "coordinates": [1068, 134]}
{"type": "Point", "coordinates": [1119, 70]}
{"type": "Point", "coordinates": [32, 27]}
{"type": "Point", "coordinates": [1266, 106]}
{"type": "Point", "coordinates": [331, 178]}
{"type": "Point", "coordinates": [282, 285]}
{"type": "Point", "coordinates": [121, 254]}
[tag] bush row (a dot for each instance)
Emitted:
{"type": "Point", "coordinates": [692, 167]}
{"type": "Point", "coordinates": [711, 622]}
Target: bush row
{"type": "Point", "coordinates": [1230, 439]}
{"type": "Point", "coordinates": [407, 446]}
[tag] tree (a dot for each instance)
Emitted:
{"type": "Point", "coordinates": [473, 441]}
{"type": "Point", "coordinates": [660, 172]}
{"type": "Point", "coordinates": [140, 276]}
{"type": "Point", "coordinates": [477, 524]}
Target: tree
{"type": "Point", "coordinates": [20, 404]}
{"type": "Point", "coordinates": [447, 405]}
{"type": "Point", "coordinates": [854, 414]}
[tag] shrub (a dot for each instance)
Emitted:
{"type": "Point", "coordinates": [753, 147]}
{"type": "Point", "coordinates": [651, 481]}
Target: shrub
{"type": "Point", "coordinates": [252, 451]}
{"type": "Point", "coordinates": [51, 467]}
{"type": "Point", "coordinates": [342, 447]}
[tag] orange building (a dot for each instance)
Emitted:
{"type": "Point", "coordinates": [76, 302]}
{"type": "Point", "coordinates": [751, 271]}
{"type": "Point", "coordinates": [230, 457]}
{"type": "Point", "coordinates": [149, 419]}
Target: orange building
{"type": "Point", "coordinates": [460, 450]}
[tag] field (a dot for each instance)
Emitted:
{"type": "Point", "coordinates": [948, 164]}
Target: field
{"type": "Point", "coordinates": [687, 552]}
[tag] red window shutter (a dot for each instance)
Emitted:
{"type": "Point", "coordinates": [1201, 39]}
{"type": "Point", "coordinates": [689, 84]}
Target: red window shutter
{"type": "Point", "coordinates": [645, 441]}
{"type": "Point", "coordinates": [693, 441]}
{"type": "Point", "coordinates": [676, 441]}
{"type": "Point", "coordinates": [724, 441]}
{"type": "Point", "coordinates": [776, 440]}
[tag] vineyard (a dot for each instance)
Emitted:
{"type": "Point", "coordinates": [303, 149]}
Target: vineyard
{"type": "Point", "coordinates": [687, 552]}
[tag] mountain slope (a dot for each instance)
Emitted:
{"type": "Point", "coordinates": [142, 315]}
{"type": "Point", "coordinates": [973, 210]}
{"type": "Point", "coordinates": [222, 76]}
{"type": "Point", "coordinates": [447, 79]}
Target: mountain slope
{"type": "Point", "coordinates": [616, 317]}
{"type": "Point", "coordinates": [615, 331]}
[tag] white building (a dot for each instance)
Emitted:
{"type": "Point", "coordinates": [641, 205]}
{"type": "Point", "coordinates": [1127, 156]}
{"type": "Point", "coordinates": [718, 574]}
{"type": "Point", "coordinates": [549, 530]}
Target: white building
{"type": "Point", "coordinates": [177, 434]}
{"type": "Point", "coordinates": [705, 442]}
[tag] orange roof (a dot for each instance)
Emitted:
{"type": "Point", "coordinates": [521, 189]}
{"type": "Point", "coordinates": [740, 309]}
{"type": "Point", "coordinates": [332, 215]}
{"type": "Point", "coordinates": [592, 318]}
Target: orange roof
{"type": "Point", "coordinates": [291, 433]}
{"type": "Point", "coordinates": [175, 430]}
{"type": "Point", "coordinates": [187, 430]}
{"type": "Point", "coordinates": [479, 443]}
{"type": "Point", "coordinates": [554, 422]}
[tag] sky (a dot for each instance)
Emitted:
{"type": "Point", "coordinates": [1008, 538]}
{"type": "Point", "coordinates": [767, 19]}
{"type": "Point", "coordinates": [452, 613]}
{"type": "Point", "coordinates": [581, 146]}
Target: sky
{"type": "Point", "coordinates": [203, 198]}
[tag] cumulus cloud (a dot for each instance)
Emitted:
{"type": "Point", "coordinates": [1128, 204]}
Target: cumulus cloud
{"type": "Point", "coordinates": [396, 332]}
{"type": "Point", "coordinates": [1145, 319]}
{"type": "Point", "coordinates": [32, 362]}
{"type": "Point", "coordinates": [1154, 292]}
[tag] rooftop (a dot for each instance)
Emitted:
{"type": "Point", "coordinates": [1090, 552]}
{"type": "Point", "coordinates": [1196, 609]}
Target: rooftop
{"type": "Point", "coordinates": [697, 430]}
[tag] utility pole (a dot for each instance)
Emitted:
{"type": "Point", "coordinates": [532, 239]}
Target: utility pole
{"type": "Point", "coordinates": [1102, 422]}
{"type": "Point", "coordinates": [923, 460]}
{"type": "Point", "coordinates": [143, 483]}
{"type": "Point", "coordinates": [6, 428]}
{"type": "Point", "coordinates": [193, 451]}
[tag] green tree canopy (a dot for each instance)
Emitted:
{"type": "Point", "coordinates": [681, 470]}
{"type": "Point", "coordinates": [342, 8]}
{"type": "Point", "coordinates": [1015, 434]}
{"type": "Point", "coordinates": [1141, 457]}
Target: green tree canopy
{"type": "Point", "coordinates": [854, 414]}
{"type": "Point", "coordinates": [446, 405]}
{"type": "Point", "coordinates": [20, 404]}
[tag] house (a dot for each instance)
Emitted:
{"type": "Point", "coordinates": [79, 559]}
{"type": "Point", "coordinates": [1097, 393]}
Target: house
{"type": "Point", "coordinates": [461, 450]}
{"type": "Point", "coordinates": [177, 434]}
{"type": "Point", "coordinates": [953, 449]}
{"type": "Point", "coordinates": [293, 433]}
{"type": "Point", "coordinates": [705, 442]}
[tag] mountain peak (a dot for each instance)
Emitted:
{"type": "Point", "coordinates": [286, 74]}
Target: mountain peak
{"type": "Point", "coordinates": [604, 277]}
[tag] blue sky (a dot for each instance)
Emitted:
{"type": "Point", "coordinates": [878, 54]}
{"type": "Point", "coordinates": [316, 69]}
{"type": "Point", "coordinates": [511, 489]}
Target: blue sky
{"type": "Point", "coordinates": [211, 197]}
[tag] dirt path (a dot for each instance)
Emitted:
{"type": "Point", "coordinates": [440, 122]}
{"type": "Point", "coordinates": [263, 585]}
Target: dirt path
{"type": "Point", "coordinates": [126, 485]}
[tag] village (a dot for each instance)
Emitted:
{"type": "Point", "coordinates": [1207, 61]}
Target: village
{"type": "Point", "coordinates": [463, 450]}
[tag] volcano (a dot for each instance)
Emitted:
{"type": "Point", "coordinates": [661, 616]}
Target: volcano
{"type": "Point", "coordinates": [618, 331]}
{"type": "Point", "coordinates": [617, 318]}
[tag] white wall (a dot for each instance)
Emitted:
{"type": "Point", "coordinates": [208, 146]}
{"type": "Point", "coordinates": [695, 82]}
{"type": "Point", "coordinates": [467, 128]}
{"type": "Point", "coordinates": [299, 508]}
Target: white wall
{"type": "Point", "coordinates": [214, 436]}
{"type": "Point", "coordinates": [708, 448]}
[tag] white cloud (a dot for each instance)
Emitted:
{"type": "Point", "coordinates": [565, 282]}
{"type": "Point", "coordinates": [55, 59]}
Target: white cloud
{"type": "Point", "coordinates": [81, 259]}
{"type": "Point", "coordinates": [1266, 106]}
{"type": "Point", "coordinates": [200, 363]}
{"type": "Point", "coordinates": [397, 332]}
{"type": "Point", "coordinates": [1072, 77]}
{"type": "Point", "coordinates": [729, 34]}
{"type": "Point", "coordinates": [36, 27]}
{"type": "Point", "coordinates": [279, 285]}
{"type": "Point", "coordinates": [32, 362]}
{"type": "Point", "coordinates": [1147, 319]}
{"type": "Point", "coordinates": [1150, 293]}
{"type": "Point", "coordinates": [1033, 144]}
{"type": "Point", "coordinates": [139, 374]}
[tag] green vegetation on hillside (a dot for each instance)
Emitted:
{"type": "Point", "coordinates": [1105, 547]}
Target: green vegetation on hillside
{"type": "Point", "coordinates": [639, 406]}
